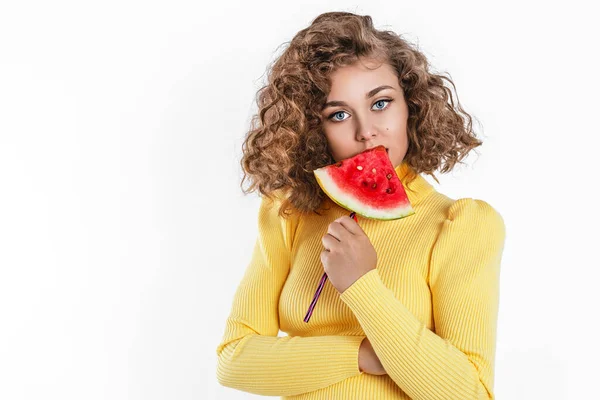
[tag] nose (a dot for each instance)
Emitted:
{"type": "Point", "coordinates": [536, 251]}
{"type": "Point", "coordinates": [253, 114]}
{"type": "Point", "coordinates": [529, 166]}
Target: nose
{"type": "Point", "coordinates": [365, 131]}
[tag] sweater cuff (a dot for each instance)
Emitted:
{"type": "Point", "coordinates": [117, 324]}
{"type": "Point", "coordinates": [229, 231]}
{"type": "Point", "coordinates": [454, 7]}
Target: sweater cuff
{"type": "Point", "coordinates": [363, 286]}
{"type": "Point", "coordinates": [347, 351]}
{"type": "Point", "coordinates": [369, 298]}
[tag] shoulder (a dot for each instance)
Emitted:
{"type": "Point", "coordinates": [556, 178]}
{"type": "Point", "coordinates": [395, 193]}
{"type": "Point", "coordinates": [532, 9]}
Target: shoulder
{"type": "Point", "coordinates": [274, 197]}
{"type": "Point", "coordinates": [471, 223]}
{"type": "Point", "coordinates": [471, 237]}
{"type": "Point", "coordinates": [474, 212]}
{"type": "Point", "coordinates": [270, 218]}
{"type": "Point", "coordinates": [462, 211]}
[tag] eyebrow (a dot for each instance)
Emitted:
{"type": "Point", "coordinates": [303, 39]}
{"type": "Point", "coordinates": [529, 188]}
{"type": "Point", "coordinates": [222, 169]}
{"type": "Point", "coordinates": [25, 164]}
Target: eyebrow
{"type": "Point", "coordinates": [370, 94]}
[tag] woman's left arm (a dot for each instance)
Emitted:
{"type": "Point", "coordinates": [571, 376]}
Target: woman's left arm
{"type": "Point", "coordinates": [457, 361]}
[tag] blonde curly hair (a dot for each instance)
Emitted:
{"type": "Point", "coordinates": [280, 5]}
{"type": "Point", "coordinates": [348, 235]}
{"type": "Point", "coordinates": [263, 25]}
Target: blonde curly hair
{"type": "Point", "coordinates": [285, 143]}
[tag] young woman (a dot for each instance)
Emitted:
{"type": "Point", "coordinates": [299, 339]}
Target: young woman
{"type": "Point", "coordinates": [411, 305]}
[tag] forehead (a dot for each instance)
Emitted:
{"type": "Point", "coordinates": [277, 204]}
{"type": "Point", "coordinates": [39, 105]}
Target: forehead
{"type": "Point", "coordinates": [361, 77]}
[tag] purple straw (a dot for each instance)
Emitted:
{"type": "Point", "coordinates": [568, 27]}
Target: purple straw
{"type": "Point", "coordinates": [321, 284]}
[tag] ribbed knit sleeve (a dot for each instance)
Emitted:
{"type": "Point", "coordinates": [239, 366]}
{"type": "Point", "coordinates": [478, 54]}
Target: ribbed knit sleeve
{"type": "Point", "coordinates": [251, 357]}
{"type": "Point", "coordinates": [457, 361]}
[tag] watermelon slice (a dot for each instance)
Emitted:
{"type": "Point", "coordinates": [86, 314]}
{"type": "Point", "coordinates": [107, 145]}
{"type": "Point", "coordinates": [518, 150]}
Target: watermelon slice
{"type": "Point", "coordinates": [366, 184]}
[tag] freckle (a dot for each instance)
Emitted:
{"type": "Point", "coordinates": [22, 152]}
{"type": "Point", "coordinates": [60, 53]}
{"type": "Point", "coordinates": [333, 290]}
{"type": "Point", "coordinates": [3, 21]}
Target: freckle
{"type": "Point", "coordinates": [387, 129]}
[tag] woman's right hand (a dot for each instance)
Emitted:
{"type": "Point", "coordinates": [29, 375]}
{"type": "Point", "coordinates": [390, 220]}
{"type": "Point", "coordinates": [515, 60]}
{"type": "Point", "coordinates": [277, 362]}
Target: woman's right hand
{"type": "Point", "coordinates": [367, 359]}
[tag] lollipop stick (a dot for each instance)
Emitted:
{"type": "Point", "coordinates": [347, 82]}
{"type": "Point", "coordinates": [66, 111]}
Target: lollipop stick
{"type": "Point", "coordinates": [321, 284]}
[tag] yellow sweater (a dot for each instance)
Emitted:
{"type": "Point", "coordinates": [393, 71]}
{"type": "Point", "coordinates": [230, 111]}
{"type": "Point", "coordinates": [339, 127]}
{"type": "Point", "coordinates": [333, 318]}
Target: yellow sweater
{"type": "Point", "coordinates": [429, 309]}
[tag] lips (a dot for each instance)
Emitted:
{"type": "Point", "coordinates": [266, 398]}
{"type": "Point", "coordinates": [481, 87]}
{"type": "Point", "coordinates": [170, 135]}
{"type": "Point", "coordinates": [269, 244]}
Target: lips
{"type": "Point", "coordinates": [387, 150]}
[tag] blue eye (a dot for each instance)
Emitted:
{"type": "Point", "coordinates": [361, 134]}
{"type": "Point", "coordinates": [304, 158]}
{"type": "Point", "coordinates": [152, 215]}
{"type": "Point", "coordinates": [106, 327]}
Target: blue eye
{"type": "Point", "coordinates": [386, 101]}
{"type": "Point", "coordinates": [332, 116]}
{"type": "Point", "coordinates": [380, 101]}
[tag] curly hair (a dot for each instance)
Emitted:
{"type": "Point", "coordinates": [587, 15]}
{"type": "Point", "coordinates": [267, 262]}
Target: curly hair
{"type": "Point", "coordinates": [285, 143]}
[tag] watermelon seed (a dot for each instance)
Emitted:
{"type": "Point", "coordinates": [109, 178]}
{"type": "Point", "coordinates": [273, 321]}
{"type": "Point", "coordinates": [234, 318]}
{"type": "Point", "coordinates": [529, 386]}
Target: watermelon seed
{"type": "Point", "coordinates": [388, 190]}
{"type": "Point", "coordinates": [359, 168]}
{"type": "Point", "coordinates": [374, 185]}
{"type": "Point", "coordinates": [374, 170]}
{"type": "Point", "coordinates": [389, 176]}
{"type": "Point", "coordinates": [339, 164]}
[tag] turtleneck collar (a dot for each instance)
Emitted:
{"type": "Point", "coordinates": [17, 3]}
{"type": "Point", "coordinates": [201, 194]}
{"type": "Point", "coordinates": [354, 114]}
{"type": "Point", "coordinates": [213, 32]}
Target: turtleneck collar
{"type": "Point", "coordinates": [418, 187]}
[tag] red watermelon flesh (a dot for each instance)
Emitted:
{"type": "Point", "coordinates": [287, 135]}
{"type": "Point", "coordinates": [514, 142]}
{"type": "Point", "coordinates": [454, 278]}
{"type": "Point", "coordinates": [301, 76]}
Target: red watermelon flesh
{"type": "Point", "coordinates": [367, 184]}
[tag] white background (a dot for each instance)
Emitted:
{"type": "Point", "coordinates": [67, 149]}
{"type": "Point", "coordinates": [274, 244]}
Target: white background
{"type": "Point", "coordinates": [123, 229]}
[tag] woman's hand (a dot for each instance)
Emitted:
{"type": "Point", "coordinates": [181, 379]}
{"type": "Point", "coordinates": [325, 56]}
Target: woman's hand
{"type": "Point", "coordinates": [368, 361]}
{"type": "Point", "coordinates": [348, 253]}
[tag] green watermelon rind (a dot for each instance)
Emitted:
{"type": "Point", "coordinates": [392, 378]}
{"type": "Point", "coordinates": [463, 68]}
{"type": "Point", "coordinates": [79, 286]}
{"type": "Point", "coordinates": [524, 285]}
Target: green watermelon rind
{"type": "Point", "coordinates": [348, 202]}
